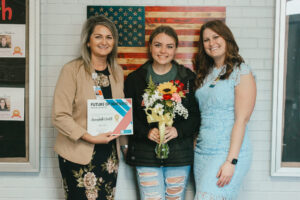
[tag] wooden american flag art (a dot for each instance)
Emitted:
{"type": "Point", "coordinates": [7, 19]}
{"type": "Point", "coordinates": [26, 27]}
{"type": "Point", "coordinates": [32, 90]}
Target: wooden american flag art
{"type": "Point", "coordinates": [135, 24]}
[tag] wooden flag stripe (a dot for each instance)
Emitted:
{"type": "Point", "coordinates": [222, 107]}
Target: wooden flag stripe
{"type": "Point", "coordinates": [153, 26]}
{"type": "Point", "coordinates": [182, 37]}
{"type": "Point", "coordinates": [151, 20]}
{"type": "Point", "coordinates": [126, 72]}
{"type": "Point", "coordinates": [180, 32]}
{"type": "Point", "coordinates": [144, 50]}
{"type": "Point", "coordinates": [184, 14]}
{"type": "Point", "coordinates": [183, 9]}
{"type": "Point", "coordinates": [140, 61]}
{"type": "Point", "coordinates": [145, 55]}
{"type": "Point", "coordinates": [184, 44]}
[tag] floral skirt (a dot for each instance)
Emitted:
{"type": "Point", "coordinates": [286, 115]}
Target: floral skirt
{"type": "Point", "coordinates": [96, 180]}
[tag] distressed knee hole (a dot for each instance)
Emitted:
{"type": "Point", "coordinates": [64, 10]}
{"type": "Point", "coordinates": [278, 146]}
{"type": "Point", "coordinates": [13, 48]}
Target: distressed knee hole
{"type": "Point", "coordinates": [174, 190]}
{"type": "Point", "coordinates": [147, 174]}
{"type": "Point", "coordinates": [149, 183]}
{"type": "Point", "coordinates": [172, 198]}
{"type": "Point", "coordinates": [172, 180]}
{"type": "Point", "coordinates": [153, 198]}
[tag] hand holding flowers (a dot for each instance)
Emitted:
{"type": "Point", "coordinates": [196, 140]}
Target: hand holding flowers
{"type": "Point", "coordinates": [162, 103]}
{"type": "Point", "coordinates": [154, 135]}
{"type": "Point", "coordinates": [171, 133]}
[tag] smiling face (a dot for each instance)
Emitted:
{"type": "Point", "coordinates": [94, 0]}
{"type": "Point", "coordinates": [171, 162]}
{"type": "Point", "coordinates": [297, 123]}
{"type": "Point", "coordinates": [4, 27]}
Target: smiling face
{"type": "Point", "coordinates": [214, 45]}
{"type": "Point", "coordinates": [3, 41]}
{"type": "Point", "coordinates": [101, 41]}
{"type": "Point", "coordinates": [2, 103]}
{"type": "Point", "coordinates": [163, 49]}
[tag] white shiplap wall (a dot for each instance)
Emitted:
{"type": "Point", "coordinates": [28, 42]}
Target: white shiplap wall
{"type": "Point", "coordinates": [252, 22]}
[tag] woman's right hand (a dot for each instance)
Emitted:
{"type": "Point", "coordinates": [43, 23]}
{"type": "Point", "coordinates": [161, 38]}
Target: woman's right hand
{"type": "Point", "coordinates": [154, 135]}
{"type": "Point", "coordinates": [102, 138]}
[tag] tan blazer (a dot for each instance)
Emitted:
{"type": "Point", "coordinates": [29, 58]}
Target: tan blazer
{"type": "Point", "coordinates": [69, 114]}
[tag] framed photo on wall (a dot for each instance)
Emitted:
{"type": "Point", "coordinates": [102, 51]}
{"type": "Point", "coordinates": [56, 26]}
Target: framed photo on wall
{"type": "Point", "coordinates": [19, 86]}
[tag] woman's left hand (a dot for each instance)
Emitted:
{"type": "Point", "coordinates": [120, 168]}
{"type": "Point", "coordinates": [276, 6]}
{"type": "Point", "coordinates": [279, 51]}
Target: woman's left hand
{"type": "Point", "coordinates": [225, 174]}
{"type": "Point", "coordinates": [170, 134]}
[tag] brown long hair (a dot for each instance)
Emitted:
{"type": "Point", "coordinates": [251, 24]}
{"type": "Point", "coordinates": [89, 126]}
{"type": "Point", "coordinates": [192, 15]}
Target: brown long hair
{"type": "Point", "coordinates": [204, 63]}
{"type": "Point", "coordinates": [168, 30]}
{"type": "Point", "coordinates": [5, 105]}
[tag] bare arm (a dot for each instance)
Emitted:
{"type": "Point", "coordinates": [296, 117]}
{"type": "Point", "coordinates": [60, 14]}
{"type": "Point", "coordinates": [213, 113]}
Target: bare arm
{"type": "Point", "coordinates": [103, 138]}
{"type": "Point", "coordinates": [245, 96]}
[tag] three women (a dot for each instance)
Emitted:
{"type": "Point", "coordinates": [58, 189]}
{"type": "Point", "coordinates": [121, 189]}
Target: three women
{"type": "Point", "coordinates": [225, 90]}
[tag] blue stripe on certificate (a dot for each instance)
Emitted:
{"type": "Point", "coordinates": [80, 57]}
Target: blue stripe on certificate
{"type": "Point", "coordinates": [116, 106]}
{"type": "Point", "coordinates": [125, 106]}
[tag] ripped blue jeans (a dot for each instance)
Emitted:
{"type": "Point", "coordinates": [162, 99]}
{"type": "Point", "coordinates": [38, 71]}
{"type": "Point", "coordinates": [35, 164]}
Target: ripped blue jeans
{"type": "Point", "coordinates": [162, 183]}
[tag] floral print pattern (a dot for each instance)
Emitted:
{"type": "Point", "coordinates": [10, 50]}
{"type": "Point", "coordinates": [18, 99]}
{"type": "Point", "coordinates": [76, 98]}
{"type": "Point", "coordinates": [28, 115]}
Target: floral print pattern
{"type": "Point", "coordinates": [102, 80]}
{"type": "Point", "coordinates": [65, 187]}
{"type": "Point", "coordinates": [111, 166]}
{"type": "Point", "coordinates": [92, 184]}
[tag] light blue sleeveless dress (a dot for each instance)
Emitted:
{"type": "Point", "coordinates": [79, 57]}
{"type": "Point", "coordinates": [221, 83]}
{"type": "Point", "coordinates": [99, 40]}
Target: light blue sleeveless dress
{"type": "Point", "coordinates": [217, 118]}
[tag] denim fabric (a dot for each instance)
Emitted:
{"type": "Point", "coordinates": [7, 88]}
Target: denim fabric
{"type": "Point", "coordinates": [156, 182]}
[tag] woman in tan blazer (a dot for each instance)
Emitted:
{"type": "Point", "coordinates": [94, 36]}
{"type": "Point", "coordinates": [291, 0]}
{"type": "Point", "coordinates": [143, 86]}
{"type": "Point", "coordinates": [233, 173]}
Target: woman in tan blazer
{"type": "Point", "coordinates": [88, 164]}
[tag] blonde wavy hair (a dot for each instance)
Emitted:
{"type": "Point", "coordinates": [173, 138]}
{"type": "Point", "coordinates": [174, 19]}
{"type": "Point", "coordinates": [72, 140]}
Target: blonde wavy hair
{"type": "Point", "coordinates": [87, 30]}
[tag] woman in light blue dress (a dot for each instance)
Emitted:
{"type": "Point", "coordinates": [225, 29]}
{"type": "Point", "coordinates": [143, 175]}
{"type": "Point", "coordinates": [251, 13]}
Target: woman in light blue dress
{"type": "Point", "coordinates": [226, 93]}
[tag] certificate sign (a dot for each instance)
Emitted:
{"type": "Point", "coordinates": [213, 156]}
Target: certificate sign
{"type": "Point", "coordinates": [12, 40]}
{"type": "Point", "coordinates": [109, 115]}
{"type": "Point", "coordinates": [11, 104]}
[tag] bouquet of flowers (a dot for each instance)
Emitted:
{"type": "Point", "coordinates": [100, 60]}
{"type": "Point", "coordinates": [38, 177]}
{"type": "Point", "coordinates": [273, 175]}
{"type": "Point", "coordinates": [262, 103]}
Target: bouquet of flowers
{"type": "Point", "coordinates": [162, 103]}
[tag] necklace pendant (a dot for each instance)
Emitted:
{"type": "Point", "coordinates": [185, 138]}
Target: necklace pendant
{"type": "Point", "coordinates": [213, 84]}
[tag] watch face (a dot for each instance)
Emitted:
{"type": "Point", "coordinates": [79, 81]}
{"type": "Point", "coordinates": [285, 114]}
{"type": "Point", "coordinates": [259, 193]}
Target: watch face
{"type": "Point", "coordinates": [234, 161]}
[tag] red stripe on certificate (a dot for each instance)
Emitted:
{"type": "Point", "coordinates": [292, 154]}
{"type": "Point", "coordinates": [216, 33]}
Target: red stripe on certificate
{"type": "Point", "coordinates": [124, 123]}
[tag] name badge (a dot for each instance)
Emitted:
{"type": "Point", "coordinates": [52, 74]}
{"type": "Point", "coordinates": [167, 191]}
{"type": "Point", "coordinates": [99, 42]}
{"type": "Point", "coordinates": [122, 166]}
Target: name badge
{"type": "Point", "coordinates": [98, 92]}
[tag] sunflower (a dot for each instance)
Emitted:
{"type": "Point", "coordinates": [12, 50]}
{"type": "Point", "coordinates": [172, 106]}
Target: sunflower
{"type": "Point", "coordinates": [166, 88]}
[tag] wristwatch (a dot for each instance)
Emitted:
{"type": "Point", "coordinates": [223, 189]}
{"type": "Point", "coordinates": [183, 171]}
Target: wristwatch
{"type": "Point", "coordinates": [234, 161]}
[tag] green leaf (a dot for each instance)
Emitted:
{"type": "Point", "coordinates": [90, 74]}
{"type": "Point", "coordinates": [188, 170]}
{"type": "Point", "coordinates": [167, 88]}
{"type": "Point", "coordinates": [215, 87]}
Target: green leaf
{"type": "Point", "coordinates": [80, 172]}
{"type": "Point", "coordinates": [151, 86]}
{"type": "Point", "coordinates": [76, 175]}
{"type": "Point", "coordinates": [80, 185]}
